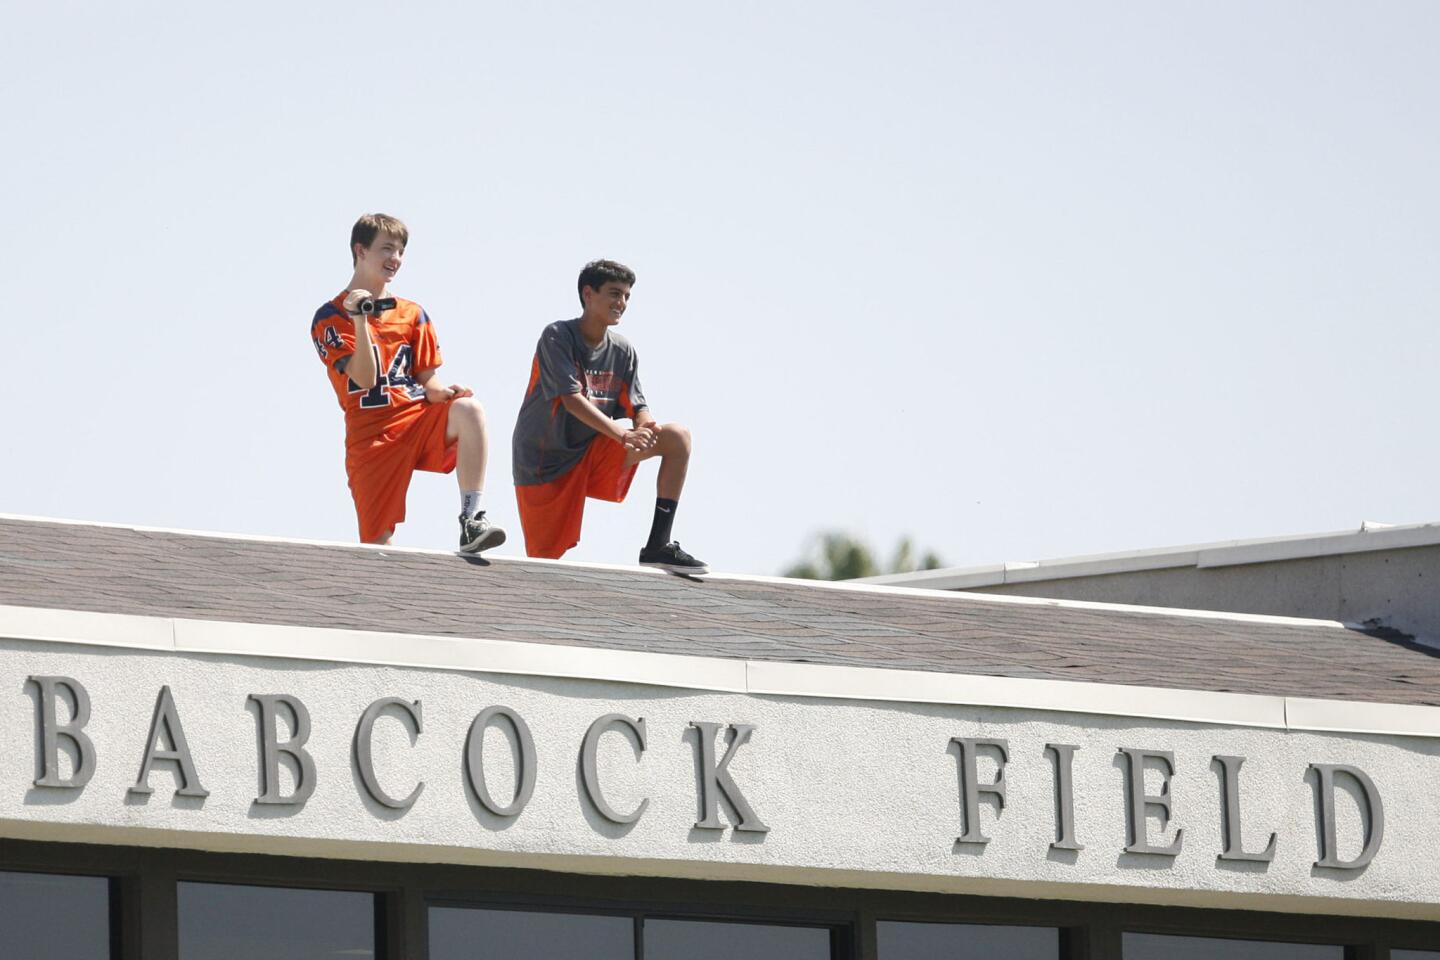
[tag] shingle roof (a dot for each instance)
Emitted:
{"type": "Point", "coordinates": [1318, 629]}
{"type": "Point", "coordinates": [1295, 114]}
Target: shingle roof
{"type": "Point", "coordinates": [123, 570]}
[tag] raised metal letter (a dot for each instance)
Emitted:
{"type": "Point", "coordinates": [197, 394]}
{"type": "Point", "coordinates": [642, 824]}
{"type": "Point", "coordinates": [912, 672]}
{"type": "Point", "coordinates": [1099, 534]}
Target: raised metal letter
{"type": "Point", "coordinates": [366, 762]}
{"type": "Point", "coordinates": [971, 788]}
{"type": "Point", "coordinates": [1375, 818]}
{"type": "Point", "coordinates": [1140, 801]}
{"type": "Point", "coordinates": [715, 779]}
{"type": "Point", "coordinates": [167, 721]}
{"type": "Point", "coordinates": [1064, 755]}
{"type": "Point", "coordinates": [524, 766]}
{"type": "Point", "coordinates": [1234, 848]}
{"type": "Point", "coordinates": [51, 731]}
{"type": "Point", "coordinates": [270, 750]}
{"type": "Point", "coordinates": [589, 768]}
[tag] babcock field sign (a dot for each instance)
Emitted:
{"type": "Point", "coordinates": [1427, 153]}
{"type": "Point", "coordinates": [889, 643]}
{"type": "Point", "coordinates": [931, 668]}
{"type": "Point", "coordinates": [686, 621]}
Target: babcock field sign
{"type": "Point", "coordinates": [67, 758]}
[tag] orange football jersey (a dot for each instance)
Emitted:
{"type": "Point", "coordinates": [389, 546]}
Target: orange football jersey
{"type": "Point", "coordinates": [403, 340]}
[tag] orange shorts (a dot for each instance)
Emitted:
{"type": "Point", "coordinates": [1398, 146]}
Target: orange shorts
{"type": "Point", "coordinates": [550, 513]}
{"type": "Point", "coordinates": [380, 468]}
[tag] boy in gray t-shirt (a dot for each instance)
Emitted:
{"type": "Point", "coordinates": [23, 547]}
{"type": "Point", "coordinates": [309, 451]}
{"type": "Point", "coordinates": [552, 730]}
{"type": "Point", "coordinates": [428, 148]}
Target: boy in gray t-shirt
{"type": "Point", "coordinates": [568, 443]}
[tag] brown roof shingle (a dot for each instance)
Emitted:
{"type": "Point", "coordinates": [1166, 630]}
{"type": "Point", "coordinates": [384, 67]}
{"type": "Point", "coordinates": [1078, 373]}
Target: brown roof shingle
{"type": "Point", "coordinates": [124, 570]}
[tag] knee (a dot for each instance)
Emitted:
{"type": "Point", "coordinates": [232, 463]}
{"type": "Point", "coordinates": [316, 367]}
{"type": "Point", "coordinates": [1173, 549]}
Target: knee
{"type": "Point", "coordinates": [469, 410]}
{"type": "Point", "coordinates": [676, 437]}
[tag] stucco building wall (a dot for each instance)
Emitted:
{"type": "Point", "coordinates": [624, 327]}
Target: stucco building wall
{"type": "Point", "coordinates": [853, 792]}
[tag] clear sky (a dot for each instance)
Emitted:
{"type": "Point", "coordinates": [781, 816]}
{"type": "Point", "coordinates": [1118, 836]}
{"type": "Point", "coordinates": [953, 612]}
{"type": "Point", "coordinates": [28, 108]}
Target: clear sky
{"type": "Point", "coordinates": [1020, 280]}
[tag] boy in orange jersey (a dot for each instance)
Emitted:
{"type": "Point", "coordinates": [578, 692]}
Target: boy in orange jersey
{"type": "Point", "coordinates": [568, 444]}
{"type": "Point", "coordinates": [382, 357]}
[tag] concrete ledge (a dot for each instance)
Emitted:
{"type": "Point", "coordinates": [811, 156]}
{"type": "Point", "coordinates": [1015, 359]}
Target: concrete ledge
{"type": "Point", "coordinates": [1099, 566]}
{"type": "Point", "coordinates": [1341, 716]}
{"type": "Point", "coordinates": [617, 866]}
{"type": "Point", "coordinates": [101, 629]}
{"type": "Point", "coordinates": [456, 653]}
{"type": "Point", "coordinates": [754, 677]}
{"type": "Point", "coordinates": [1325, 545]}
{"type": "Point", "coordinates": [1219, 554]}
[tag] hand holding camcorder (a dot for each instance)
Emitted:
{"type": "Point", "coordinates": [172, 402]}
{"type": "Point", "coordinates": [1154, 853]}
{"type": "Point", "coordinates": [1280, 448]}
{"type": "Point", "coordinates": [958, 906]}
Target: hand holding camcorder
{"type": "Point", "coordinates": [369, 306]}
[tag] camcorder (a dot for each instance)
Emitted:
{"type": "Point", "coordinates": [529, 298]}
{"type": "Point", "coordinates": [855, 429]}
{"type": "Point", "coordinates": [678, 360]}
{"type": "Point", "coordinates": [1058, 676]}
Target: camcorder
{"type": "Point", "coordinates": [370, 305]}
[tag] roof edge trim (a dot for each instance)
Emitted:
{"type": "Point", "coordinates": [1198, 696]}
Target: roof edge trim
{"type": "Point", "coordinates": [1227, 553]}
{"type": "Point", "coordinates": [751, 677]}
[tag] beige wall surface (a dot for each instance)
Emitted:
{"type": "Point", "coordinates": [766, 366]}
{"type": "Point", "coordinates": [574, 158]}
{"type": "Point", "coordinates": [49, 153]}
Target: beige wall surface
{"type": "Point", "coordinates": [862, 793]}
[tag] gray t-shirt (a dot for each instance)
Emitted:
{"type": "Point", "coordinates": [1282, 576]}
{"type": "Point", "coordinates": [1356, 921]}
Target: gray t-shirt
{"type": "Point", "coordinates": [548, 440]}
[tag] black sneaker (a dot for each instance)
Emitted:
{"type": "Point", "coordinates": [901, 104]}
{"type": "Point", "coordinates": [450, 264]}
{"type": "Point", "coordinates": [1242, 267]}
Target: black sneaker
{"type": "Point", "coordinates": [670, 557]}
{"type": "Point", "coordinates": [477, 533]}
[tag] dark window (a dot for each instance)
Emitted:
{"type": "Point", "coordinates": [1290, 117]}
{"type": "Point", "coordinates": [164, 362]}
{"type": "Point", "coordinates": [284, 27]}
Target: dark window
{"type": "Point", "coordinates": [964, 941]}
{"type": "Point", "coordinates": [712, 940]}
{"type": "Point", "coordinates": [1151, 946]}
{"type": "Point", "coordinates": [1414, 955]}
{"type": "Point", "coordinates": [463, 933]}
{"type": "Point", "coordinates": [52, 917]}
{"type": "Point", "coordinates": [225, 922]}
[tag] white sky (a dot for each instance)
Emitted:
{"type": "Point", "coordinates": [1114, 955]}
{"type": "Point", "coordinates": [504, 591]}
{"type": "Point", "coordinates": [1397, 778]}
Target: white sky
{"type": "Point", "coordinates": [1020, 280]}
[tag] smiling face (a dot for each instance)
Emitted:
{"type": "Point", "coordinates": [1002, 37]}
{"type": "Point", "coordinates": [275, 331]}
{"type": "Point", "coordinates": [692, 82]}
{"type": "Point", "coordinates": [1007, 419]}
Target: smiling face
{"type": "Point", "coordinates": [607, 304]}
{"type": "Point", "coordinates": [381, 260]}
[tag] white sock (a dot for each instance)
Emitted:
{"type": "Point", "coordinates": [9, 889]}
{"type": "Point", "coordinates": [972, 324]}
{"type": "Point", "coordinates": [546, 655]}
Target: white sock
{"type": "Point", "coordinates": [470, 502]}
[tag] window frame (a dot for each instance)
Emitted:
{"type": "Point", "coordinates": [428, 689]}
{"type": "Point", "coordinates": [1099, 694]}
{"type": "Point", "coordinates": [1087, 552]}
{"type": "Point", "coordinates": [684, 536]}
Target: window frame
{"type": "Point", "coordinates": [144, 916]}
{"type": "Point", "coordinates": [379, 921]}
{"type": "Point", "coordinates": [840, 924]}
{"type": "Point", "coordinates": [113, 912]}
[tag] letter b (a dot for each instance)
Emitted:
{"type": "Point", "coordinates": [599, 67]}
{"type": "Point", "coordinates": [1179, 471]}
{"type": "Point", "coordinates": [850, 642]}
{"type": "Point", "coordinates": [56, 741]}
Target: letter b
{"type": "Point", "coordinates": [51, 730]}
{"type": "Point", "coordinates": [271, 750]}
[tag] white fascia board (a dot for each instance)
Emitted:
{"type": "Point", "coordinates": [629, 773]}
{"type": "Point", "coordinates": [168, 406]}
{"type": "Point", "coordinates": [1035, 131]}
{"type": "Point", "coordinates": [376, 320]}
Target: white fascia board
{"type": "Point", "coordinates": [1218, 554]}
{"type": "Point", "coordinates": [753, 677]}
{"type": "Point", "coordinates": [81, 626]}
{"type": "Point", "coordinates": [986, 575]}
{"type": "Point", "coordinates": [1100, 566]}
{"type": "Point", "coordinates": [1263, 551]}
{"type": "Point", "coordinates": [1030, 571]}
{"type": "Point", "coordinates": [946, 578]}
{"type": "Point", "coordinates": [1345, 716]}
{"type": "Point", "coordinates": [459, 653]}
{"type": "Point", "coordinates": [228, 638]}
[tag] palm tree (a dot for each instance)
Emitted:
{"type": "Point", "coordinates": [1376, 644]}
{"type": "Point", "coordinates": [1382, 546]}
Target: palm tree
{"type": "Point", "coordinates": [838, 556]}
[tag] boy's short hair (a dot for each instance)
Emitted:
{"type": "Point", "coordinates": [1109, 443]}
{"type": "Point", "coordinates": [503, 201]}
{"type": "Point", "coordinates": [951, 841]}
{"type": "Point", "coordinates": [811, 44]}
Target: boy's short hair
{"type": "Point", "coordinates": [597, 273]}
{"type": "Point", "coordinates": [371, 225]}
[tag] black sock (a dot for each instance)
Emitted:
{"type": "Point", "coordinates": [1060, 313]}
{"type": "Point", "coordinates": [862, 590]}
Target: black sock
{"type": "Point", "coordinates": [660, 526]}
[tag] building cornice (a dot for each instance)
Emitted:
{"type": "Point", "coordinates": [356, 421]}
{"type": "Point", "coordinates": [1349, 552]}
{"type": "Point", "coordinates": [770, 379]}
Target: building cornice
{"type": "Point", "coordinates": [769, 678]}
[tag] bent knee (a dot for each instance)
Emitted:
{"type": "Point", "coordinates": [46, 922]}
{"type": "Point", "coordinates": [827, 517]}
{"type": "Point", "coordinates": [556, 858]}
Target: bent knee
{"type": "Point", "coordinates": [677, 435]}
{"type": "Point", "coordinates": [469, 408]}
